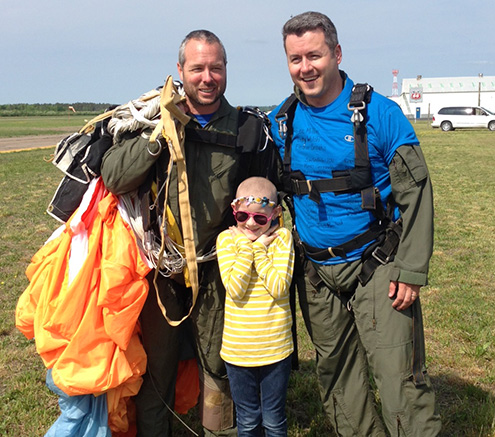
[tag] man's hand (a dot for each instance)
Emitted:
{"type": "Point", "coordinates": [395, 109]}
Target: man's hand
{"type": "Point", "coordinates": [404, 294]}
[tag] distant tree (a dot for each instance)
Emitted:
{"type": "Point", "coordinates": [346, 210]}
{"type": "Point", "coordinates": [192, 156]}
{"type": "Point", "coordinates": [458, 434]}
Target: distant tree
{"type": "Point", "coordinates": [26, 110]}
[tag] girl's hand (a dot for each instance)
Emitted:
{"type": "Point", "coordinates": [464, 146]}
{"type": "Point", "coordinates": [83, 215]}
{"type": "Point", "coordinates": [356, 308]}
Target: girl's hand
{"type": "Point", "coordinates": [269, 236]}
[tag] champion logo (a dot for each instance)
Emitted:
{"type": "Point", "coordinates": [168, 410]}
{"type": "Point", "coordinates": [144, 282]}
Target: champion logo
{"type": "Point", "coordinates": [349, 138]}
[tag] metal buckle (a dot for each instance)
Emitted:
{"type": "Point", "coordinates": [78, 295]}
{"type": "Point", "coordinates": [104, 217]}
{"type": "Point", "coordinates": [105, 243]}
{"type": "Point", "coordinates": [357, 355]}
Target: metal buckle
{"type": "Point", "coordinates": [295, 186]}
{"type": "Point", "coordinates": [356, 106]}
{"type": "Point", "coordinates": [282, 125]}
{"type": "Point", "coordinates": [381, 257]}
{"type": "Point", "coordinates": [356, 116]}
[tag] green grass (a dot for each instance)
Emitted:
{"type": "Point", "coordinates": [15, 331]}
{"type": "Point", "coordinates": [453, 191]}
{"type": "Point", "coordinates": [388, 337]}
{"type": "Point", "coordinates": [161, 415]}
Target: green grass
{"type": "Point", "coordinates": [37, 125]}
{"type": "Point", "coordinates": [458, 305]}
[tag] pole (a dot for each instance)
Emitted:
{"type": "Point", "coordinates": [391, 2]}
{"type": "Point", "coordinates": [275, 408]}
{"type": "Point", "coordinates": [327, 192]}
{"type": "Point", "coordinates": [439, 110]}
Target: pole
{"type": "Point", "coordinates": [480, 76]}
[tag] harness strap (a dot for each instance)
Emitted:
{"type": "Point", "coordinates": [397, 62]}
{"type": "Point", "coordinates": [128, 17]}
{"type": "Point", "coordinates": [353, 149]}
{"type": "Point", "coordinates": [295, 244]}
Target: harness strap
{"type": "Point", "coordinates": [360, 97]}
{"type": "Point", "coordinates": [211, 137]}
{"type": "Point", "coordinates": [341, 250]}
{"type": "Point", "coordinates": [355, 179]}
{"type": "Point", "coordinates": [284, 118]}
{"type": "Point", "coordinates": [350, 180]}
{"type": "Point", "coordinates": [381, 253]}
{"type": "Point", "coordinates": [172, 125]}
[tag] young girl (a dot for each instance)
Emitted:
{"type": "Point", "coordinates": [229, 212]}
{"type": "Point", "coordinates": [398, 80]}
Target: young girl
{"type": "Point", "coordinates": [256, 260]}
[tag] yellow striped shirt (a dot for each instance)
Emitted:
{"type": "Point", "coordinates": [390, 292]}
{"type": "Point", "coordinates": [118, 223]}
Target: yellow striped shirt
{"type": "Point", "coordinates": [257, 328]}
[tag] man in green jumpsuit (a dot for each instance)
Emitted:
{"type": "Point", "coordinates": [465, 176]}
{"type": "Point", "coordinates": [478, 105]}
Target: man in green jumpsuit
{"type": "Point", "coordinates": [371, 325]}
{"type": "Point", "coordinates": [214, 171]}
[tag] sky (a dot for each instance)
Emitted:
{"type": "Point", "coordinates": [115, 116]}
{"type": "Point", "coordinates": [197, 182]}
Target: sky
{"type": "Point", "coordinates": [113, 51]}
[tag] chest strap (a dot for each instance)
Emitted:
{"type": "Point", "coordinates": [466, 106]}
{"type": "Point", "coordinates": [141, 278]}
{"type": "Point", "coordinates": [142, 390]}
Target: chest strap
{"type": "Point", "coordinates": [350, 180]}
{"type": "Point", "coordinates": [252, 132]}
{"type": "Point", "coordinates": [210, 137]}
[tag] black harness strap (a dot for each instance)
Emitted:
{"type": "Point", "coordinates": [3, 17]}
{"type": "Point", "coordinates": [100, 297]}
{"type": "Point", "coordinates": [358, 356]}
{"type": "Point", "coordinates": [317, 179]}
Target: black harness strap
{"type": "Point", "coordinates": [360, 97]}
{"type": "Point", "coordinates": [384, 232]}
{"type": "Point", "coordinates": [284, 118]}
{"type": "Point", "coordinates": [358, 179]}
{"type": "Point", "coordinates": [211, 137]}
{"type": "Point", "coordinates": [341, 250]}
{"type": "Point", "coordinates": [381, 252]}
{"type": "Point", "coordinates": [351, 180]}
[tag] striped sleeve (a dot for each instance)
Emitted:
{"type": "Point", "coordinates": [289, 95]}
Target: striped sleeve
{"type": "Point", "coordinates": [235, 260]}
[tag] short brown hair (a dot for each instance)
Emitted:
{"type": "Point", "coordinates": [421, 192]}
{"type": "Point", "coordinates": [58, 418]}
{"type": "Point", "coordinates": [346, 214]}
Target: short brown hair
{"type": "Point", "coordinates": [310, 21]}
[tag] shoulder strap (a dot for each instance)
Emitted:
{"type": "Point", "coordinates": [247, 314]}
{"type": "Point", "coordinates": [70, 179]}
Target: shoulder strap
{"type": "Point", "coordinates": [284, 119]}
{"type": "Point", "coordinates": [251, 136]}
{"type": "Point", "coordinates": [360, 97]}
{"type": "Point", "coordinates": [358, 178]}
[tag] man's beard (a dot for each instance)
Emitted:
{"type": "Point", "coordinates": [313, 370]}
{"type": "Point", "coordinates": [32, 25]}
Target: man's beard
{"type": "Point", "coordinates": [193, 96]}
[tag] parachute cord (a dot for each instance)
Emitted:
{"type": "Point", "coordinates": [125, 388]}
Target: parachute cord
{"type": "Point", "coordinates": [134, 115]}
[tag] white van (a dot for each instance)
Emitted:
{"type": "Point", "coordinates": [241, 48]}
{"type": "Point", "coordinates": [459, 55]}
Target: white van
{"type": "Point", "coordinates": [452, 117]}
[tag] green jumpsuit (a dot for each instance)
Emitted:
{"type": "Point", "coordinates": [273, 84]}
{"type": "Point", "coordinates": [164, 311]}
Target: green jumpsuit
{"type": "Point", "coordinates": [214, 172]}
{"type": "Point", "coordinates": [354, 326]}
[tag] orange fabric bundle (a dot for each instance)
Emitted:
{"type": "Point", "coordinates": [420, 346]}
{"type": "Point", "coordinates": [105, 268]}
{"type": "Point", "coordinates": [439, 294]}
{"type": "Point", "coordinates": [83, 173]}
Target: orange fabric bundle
{"type": "Point", "coordinates": [87, 289]}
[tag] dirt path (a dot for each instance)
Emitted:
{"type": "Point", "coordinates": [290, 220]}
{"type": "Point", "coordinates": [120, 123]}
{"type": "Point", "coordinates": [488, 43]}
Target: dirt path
{"type": "Point", "coordinates": [31, 142]}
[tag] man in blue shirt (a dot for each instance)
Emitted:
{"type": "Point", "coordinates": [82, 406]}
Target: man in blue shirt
{"type": "Point", "coordinates": [359, 318]}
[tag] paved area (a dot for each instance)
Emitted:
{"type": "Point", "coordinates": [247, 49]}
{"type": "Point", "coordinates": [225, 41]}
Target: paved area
{"type": "Point", "coordinates": [30, 142]}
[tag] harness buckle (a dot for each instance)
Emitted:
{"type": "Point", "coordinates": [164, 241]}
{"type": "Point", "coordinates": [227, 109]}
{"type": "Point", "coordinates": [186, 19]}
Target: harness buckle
{"type": "Point", "coordinates": [282, 125]}
{"type": "Point", "coordinates": [356, 116]}
{"type": "Point", "coordinates": [295, 186]}
{"type": "Point", "coordinates": [380, 256]}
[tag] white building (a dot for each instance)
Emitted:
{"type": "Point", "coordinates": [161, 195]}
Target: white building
{"type": "Point", "coordinates": [422, 97]}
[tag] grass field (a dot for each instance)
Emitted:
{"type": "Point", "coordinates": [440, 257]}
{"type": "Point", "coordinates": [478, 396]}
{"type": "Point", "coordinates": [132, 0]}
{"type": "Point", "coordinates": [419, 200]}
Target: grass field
{"type": "Point", "coordinates": [458, 305]}
{"type": "Point", "coordinates": [24, 126]}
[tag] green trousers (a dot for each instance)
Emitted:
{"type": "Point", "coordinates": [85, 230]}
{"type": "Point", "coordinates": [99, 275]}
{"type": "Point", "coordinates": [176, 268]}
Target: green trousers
{"type": "Point", "coordinates": [164, 346]}
{"type": "Point", "coordinates": [216, 407]}
{"type": "Point", "coordinates": [356, 332]}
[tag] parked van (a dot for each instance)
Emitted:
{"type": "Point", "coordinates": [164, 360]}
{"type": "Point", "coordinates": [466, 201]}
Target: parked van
{"type": "Point", "coordinates": [452, 117]}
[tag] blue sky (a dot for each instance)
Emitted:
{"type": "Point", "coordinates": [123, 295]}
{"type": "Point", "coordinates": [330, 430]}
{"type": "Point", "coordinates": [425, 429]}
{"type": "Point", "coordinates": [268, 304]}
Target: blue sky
{"type": "Point", "coordinates": [112, 51]}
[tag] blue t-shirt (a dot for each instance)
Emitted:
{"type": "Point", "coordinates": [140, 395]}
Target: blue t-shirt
{"type": "Point", "coordinates": [323, 141]}
{"type": "Point", "coordinates": [203, 119]}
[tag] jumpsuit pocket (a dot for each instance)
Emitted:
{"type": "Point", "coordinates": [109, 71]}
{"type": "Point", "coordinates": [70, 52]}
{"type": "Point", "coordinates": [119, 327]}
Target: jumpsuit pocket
{"type": "Point", "coordinates": [408, 168]}
{"type": "Point", "coordinates": [223, 172]}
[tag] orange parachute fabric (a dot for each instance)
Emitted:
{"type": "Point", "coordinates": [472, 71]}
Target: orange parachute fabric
{"type": "Point", "coordinates": [87, 288]}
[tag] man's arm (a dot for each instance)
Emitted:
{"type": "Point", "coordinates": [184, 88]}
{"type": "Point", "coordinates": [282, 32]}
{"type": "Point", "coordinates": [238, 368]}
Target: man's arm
{"type": "Point", "coordinates": [413, 194]}
{"type": "Point", "coordinates": [126, 164]}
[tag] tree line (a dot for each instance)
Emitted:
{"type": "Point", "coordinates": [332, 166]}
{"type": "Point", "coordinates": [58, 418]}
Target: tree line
{"type": "Point", "coordinates": [27, 109]}
{"type": "Point", "coordinates": [31, 109]}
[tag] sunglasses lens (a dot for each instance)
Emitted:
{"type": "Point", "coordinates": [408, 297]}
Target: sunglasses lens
{"type": "Point", "coordinates": [241, 216]}
{"type": "Point", "coordinates": [260, 219]}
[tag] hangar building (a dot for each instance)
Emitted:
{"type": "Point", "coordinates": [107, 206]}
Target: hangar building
{"type": "Point", "coordinates": [422, 97]}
